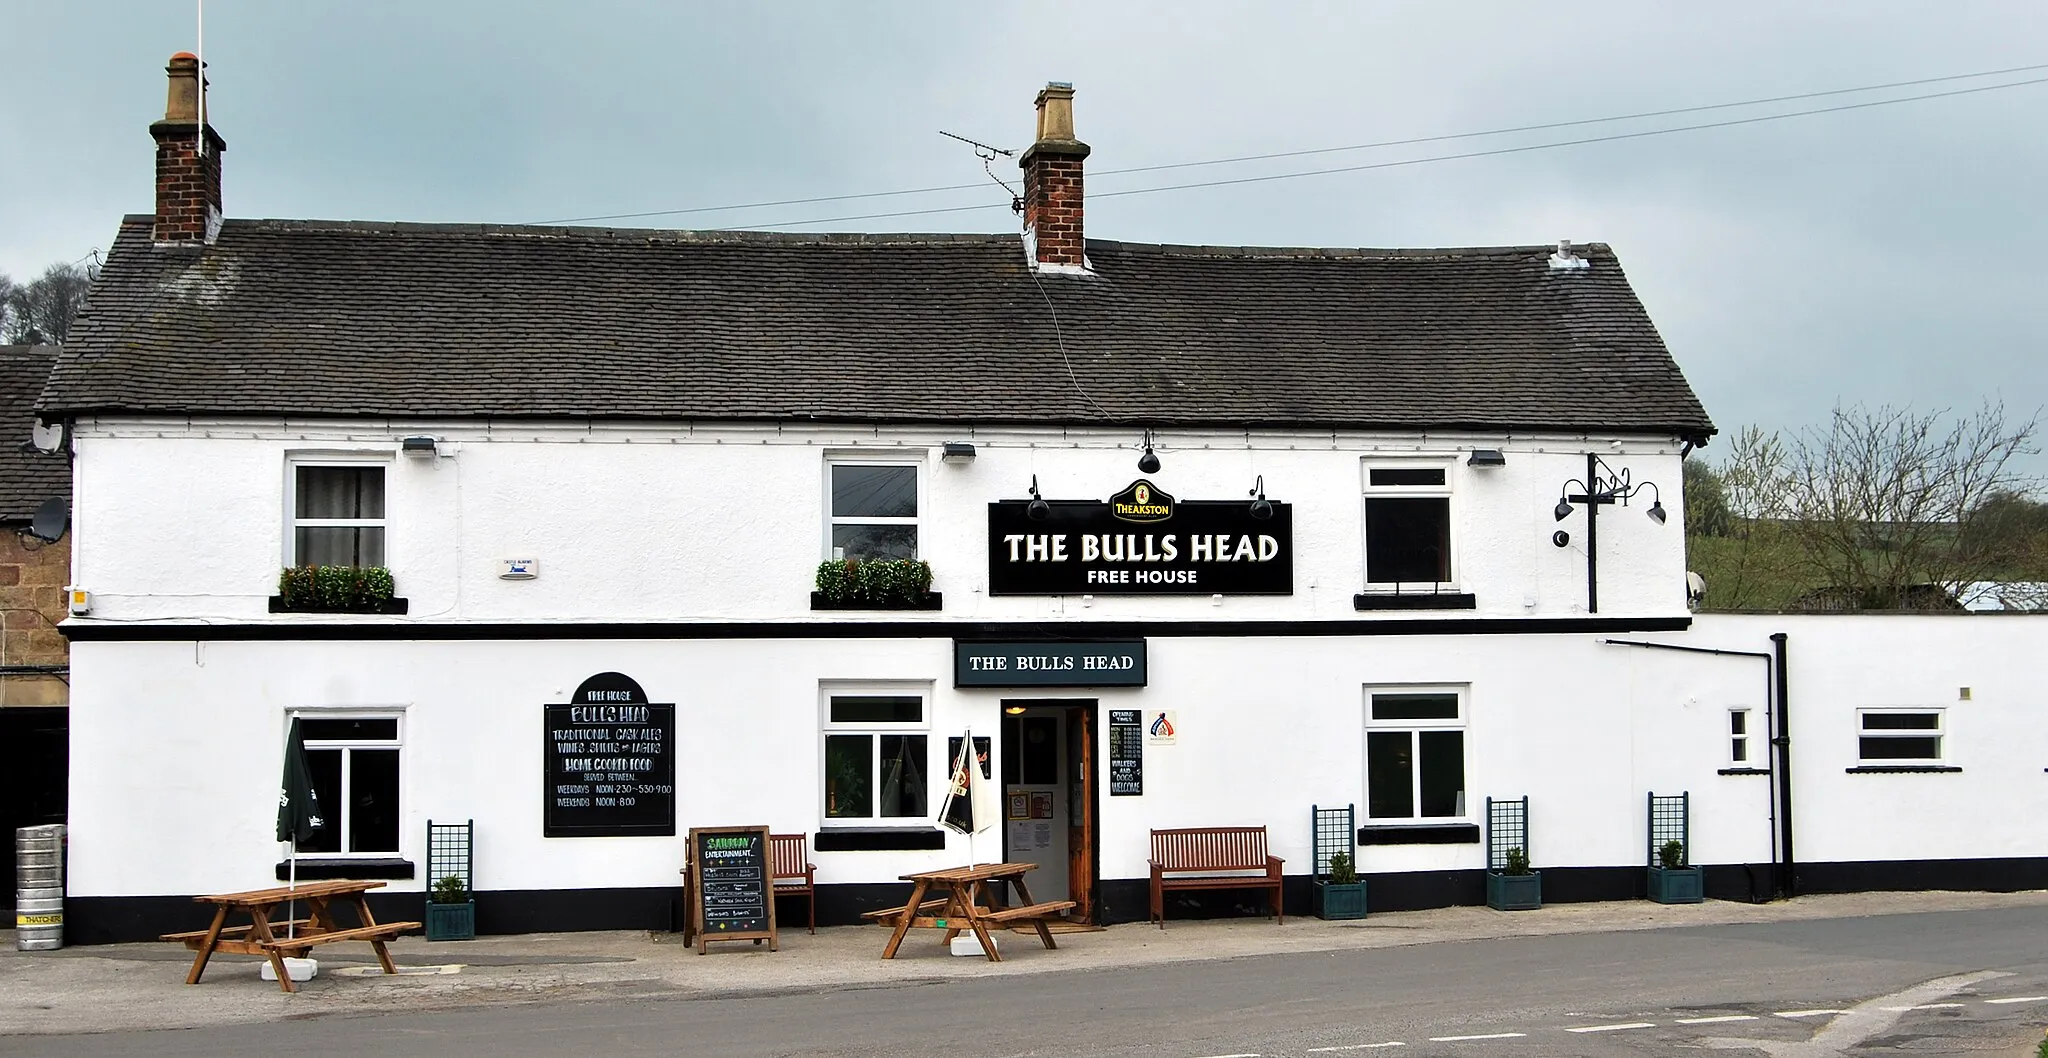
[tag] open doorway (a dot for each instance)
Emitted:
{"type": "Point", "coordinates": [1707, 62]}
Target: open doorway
{"type": "Point", "coordinates": [1049, 797]}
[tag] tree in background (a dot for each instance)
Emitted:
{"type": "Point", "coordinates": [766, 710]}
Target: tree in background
{"type": "Point", "coordinates": [40, 312]}
{"type": "Point", "coordinates": [1881, 509]}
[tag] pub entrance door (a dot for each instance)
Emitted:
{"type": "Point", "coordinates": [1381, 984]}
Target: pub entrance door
{"type": "Point", "coordinates": [1049, 797]}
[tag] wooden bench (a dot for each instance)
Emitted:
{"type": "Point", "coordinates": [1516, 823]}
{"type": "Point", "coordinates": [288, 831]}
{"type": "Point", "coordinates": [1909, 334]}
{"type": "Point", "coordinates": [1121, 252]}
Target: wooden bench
{"type": "Point", "coordinates": [1192, 857]}
{"type": "Point", "coordinates": [795, 874]}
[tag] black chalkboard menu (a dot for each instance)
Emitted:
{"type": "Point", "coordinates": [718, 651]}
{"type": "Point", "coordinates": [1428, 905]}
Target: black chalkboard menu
{"type": "Point", "coordinates": [609, 762]}
{"type": "Point", "coordinates": [1126, 753]}
{"type": "Point", "coordinates": [731, 892]}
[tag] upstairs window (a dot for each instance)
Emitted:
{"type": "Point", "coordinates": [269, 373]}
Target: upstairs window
{"type": "Point", "coordinates": [1407, 526]}
{"type": "Point", "coordinates": [337, 514]}
{"type": "Point", "coordinates": [871, 509]}
{"type": "Point", "coordinates": [1899, 736]}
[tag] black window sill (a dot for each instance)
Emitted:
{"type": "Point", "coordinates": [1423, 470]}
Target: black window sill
{"type": "Point", "coordinates": [1900, 769]}
{"type": "Point", "coordinates": [878, 839]}
{"type": "Point", "coordinates": [323, 868]}
{"type": "Point", "coordinates": [1445, 834]}
{"type": "Point", "coordinates": [932, 601]}
{"type": "Point", "coordinates": [1420, 601]}
{"type": "Point", "coordinates": [391, 607]}
{"type": "Point", "coordinates": [1743, 771]}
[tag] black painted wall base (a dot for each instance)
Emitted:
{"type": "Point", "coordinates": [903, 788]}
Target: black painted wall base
{"type": "Point", "coordinates": [116, 919]}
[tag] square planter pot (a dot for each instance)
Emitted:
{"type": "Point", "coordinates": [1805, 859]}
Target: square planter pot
{"type": "Point", "coordinates": [1676, 885]}
{"type": "Point", "coordinates": [451, 921]}
{"type": "Point", "coordinates": [1514, 892]}
{"type": "Point", "coordinates": [1333, 901]}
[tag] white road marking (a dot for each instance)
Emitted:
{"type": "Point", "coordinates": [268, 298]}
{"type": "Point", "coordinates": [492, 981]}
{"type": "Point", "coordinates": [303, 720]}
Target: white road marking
{"type": "Point", "coordinates": [2018, 999]}
{"type": "Point", "coordinates": [1231, 1056]}
{"type": "Point", "coordinates": [1356, 1047]}
{"type": "Point", "coordinates": [1615, 1028]}
{"type": "Point", "coordinates": [1485, 1036]}
{"type": "Point", "coordinates": [1806, 1013]}
{"type": "Point", "coordinates": [1866, 1020]}
{"type": "Point", "coordinates": [1923, 1006]}
{"type": "Point", "coordinates": [1719, 1019]}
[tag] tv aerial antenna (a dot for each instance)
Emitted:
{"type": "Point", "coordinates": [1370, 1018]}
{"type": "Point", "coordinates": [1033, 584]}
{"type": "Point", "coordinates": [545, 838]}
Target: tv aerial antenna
{"type": "Point", "coordinates": [988, 154]}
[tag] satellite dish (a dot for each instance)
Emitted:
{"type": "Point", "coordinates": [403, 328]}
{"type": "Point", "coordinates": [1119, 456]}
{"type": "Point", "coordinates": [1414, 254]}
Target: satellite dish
{"type": "Point", "coordinates": [47, 437]}
{"type": "Point", "coordinates": [52, 518]}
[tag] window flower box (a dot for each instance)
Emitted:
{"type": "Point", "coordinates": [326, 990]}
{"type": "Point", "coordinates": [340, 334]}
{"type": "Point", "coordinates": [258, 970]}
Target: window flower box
{"type": "Point", "coordinates": [336, 589]}
{"type": "Point", "coordinates": [875, 584]}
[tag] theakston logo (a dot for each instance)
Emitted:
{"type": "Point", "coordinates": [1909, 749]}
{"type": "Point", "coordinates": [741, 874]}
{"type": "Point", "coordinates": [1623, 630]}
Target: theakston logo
{"type": "Point", "coordinates": [1142, 502]}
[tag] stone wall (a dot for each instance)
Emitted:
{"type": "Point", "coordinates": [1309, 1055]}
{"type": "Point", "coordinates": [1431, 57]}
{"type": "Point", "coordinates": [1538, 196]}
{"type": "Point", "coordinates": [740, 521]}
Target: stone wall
{"type": "Point", "coordinates": [32, 582]}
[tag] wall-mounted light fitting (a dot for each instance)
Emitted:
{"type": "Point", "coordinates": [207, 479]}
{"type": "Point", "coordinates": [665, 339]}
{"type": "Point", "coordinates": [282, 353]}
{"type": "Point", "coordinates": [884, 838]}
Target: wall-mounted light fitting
{"type": "Point", "coordinates": [957, 452]}
{"type": "Point", "coordinates": [420, 447]}
{"type": "Point", "coordinates": [1602, 485]}
{"type": "Point", "coordinates": [1262, 508]}
{"type": "Point", "coordinates": [1149, 462]}
{"type": "Point", "coordinates": [1037, 510]}
{"type": "Point", "coordinates": [1486, 457]}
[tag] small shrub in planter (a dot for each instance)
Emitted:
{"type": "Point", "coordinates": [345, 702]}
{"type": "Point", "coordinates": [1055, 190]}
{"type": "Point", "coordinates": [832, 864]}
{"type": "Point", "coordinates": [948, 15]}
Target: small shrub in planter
{"type": "Point", "coordinates": [1672, 882]}
{"type": "Point", "coordinates": [1341, 895]}
{"type": "Point", "coordinates": [335, 589]}
{"type": "Point", "coordinates": [451, 910]}
{"type": "Point", "coordinates": [1514, 887]}
{"type": "Point", "coordinates": [876, 583]}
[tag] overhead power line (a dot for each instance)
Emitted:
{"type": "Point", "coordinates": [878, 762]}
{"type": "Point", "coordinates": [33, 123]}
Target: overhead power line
{"type": "Point", "coordinates": [1413, 141]}
{"type": "Point", "coordinates": [1519, 149]}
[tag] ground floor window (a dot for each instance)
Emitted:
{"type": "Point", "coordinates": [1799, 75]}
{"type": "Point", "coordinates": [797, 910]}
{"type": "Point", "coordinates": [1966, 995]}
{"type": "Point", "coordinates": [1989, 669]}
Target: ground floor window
{"type": "Point", "coordinates": [355, 766]}
{"type": "Point", "coordinates": [1899, 736]}
{"type": "Point", "coordinates": [877, 758]}
{"type": "Point", "coordinates": [1415, 754]}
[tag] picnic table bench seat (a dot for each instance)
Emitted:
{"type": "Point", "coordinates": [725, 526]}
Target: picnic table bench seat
{"type": "Point", "coordinates": [192, 937]}
{"type": "Point", "coordinates": [888, 915]}
{"type": "Point", "coordinates": [380, 931]}
{"type": "Point", "coordinates": [1200, 857]}
{"type": "Point", "coordinates": [1029, 911]}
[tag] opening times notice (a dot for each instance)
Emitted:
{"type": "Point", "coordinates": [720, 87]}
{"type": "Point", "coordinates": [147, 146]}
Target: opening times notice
{"type": "Point", "coordinates": [610, 770]}
{"type": "Point", "coordinates": [1126, 753]}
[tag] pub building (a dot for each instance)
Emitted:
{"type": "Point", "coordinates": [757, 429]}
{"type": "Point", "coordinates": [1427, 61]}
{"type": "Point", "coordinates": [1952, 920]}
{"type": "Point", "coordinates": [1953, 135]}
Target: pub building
{"type": "Point", "coordinates": [1214, 535]}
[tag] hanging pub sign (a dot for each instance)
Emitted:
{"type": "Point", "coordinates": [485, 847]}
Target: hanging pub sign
{"type": "Point", "coordinates": [609, 762]}
{"type": "Point", "coordinates": [1140, 541]}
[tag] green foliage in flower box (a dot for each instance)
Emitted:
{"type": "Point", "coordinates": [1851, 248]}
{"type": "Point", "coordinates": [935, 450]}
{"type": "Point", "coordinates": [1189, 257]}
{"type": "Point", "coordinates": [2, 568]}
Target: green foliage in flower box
{"type": "Point", "coordinates": [883, 583]}
{"type": "Point", "coordinates": [335, 587]}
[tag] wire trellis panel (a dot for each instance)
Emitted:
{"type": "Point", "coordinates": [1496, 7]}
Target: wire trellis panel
{"type": "Point", "coordinates": [1507, 827]}
{"type": "Point", "coordinates": [1334, 830]}
{"type": "Point", "coordinates": [451, 850]}
{"type": "Point", "coordinates": [1671, 820]}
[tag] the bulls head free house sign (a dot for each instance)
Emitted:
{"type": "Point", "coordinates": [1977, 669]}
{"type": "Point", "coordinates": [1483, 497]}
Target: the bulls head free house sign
{"type": "Point", "coordinates": [1141, 541]}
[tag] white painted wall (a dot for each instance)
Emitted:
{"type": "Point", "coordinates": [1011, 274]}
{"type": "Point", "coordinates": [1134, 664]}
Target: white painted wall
{"type": "Point", "coordinates": [186, 521]}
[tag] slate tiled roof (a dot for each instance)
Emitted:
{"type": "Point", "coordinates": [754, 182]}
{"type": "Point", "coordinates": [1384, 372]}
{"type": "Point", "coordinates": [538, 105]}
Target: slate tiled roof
{"type": "Point", "coordinates": [344, 318]}
{"type": "Point", "coordinates": [26, 478]}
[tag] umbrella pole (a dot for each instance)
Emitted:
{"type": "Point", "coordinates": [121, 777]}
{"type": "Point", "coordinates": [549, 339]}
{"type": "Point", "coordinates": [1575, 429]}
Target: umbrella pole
{"type": "Point", "coordinates": [291, 908]}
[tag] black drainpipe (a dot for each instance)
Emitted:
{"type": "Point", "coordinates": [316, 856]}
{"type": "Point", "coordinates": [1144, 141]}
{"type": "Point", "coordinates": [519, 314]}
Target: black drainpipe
{"type": "Point", "coordinates": [1789, 882]}
{"type": "Point", "coordinates": [1781, 830]}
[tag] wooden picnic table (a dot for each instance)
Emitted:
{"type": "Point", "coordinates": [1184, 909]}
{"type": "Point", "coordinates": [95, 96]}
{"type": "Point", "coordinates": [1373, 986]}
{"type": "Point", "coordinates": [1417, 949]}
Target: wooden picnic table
{"type": "Point", "coordinates": [968, 905]}
{"type": "Point", "coordinates": [261, 935]}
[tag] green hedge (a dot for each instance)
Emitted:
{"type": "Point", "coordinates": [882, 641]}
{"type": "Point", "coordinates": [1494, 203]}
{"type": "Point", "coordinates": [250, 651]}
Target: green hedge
{"type": "Point", "coordinates": [879, 582]}
{"type": "Point", "coordinates": [335, 587]}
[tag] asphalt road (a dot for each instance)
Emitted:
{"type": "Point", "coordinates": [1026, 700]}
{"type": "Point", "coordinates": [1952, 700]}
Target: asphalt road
{"type": "Point", "coordinates": [1965, 982]}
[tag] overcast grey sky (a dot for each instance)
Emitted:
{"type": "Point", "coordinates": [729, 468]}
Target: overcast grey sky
{"type": "Point", "coordinates": [1891, 254]}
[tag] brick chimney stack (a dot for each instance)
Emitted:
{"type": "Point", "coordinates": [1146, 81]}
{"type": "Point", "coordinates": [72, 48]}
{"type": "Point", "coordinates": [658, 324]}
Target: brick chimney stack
{"type": "Point", "coordinates": [1052, 183]}
{"type": "Point", "coordinates": [187, 182]}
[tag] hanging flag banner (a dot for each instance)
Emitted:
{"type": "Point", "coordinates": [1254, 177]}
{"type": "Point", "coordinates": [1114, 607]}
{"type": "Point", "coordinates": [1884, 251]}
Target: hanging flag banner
{"type": "Point", "coordinates": [1140, 541]}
